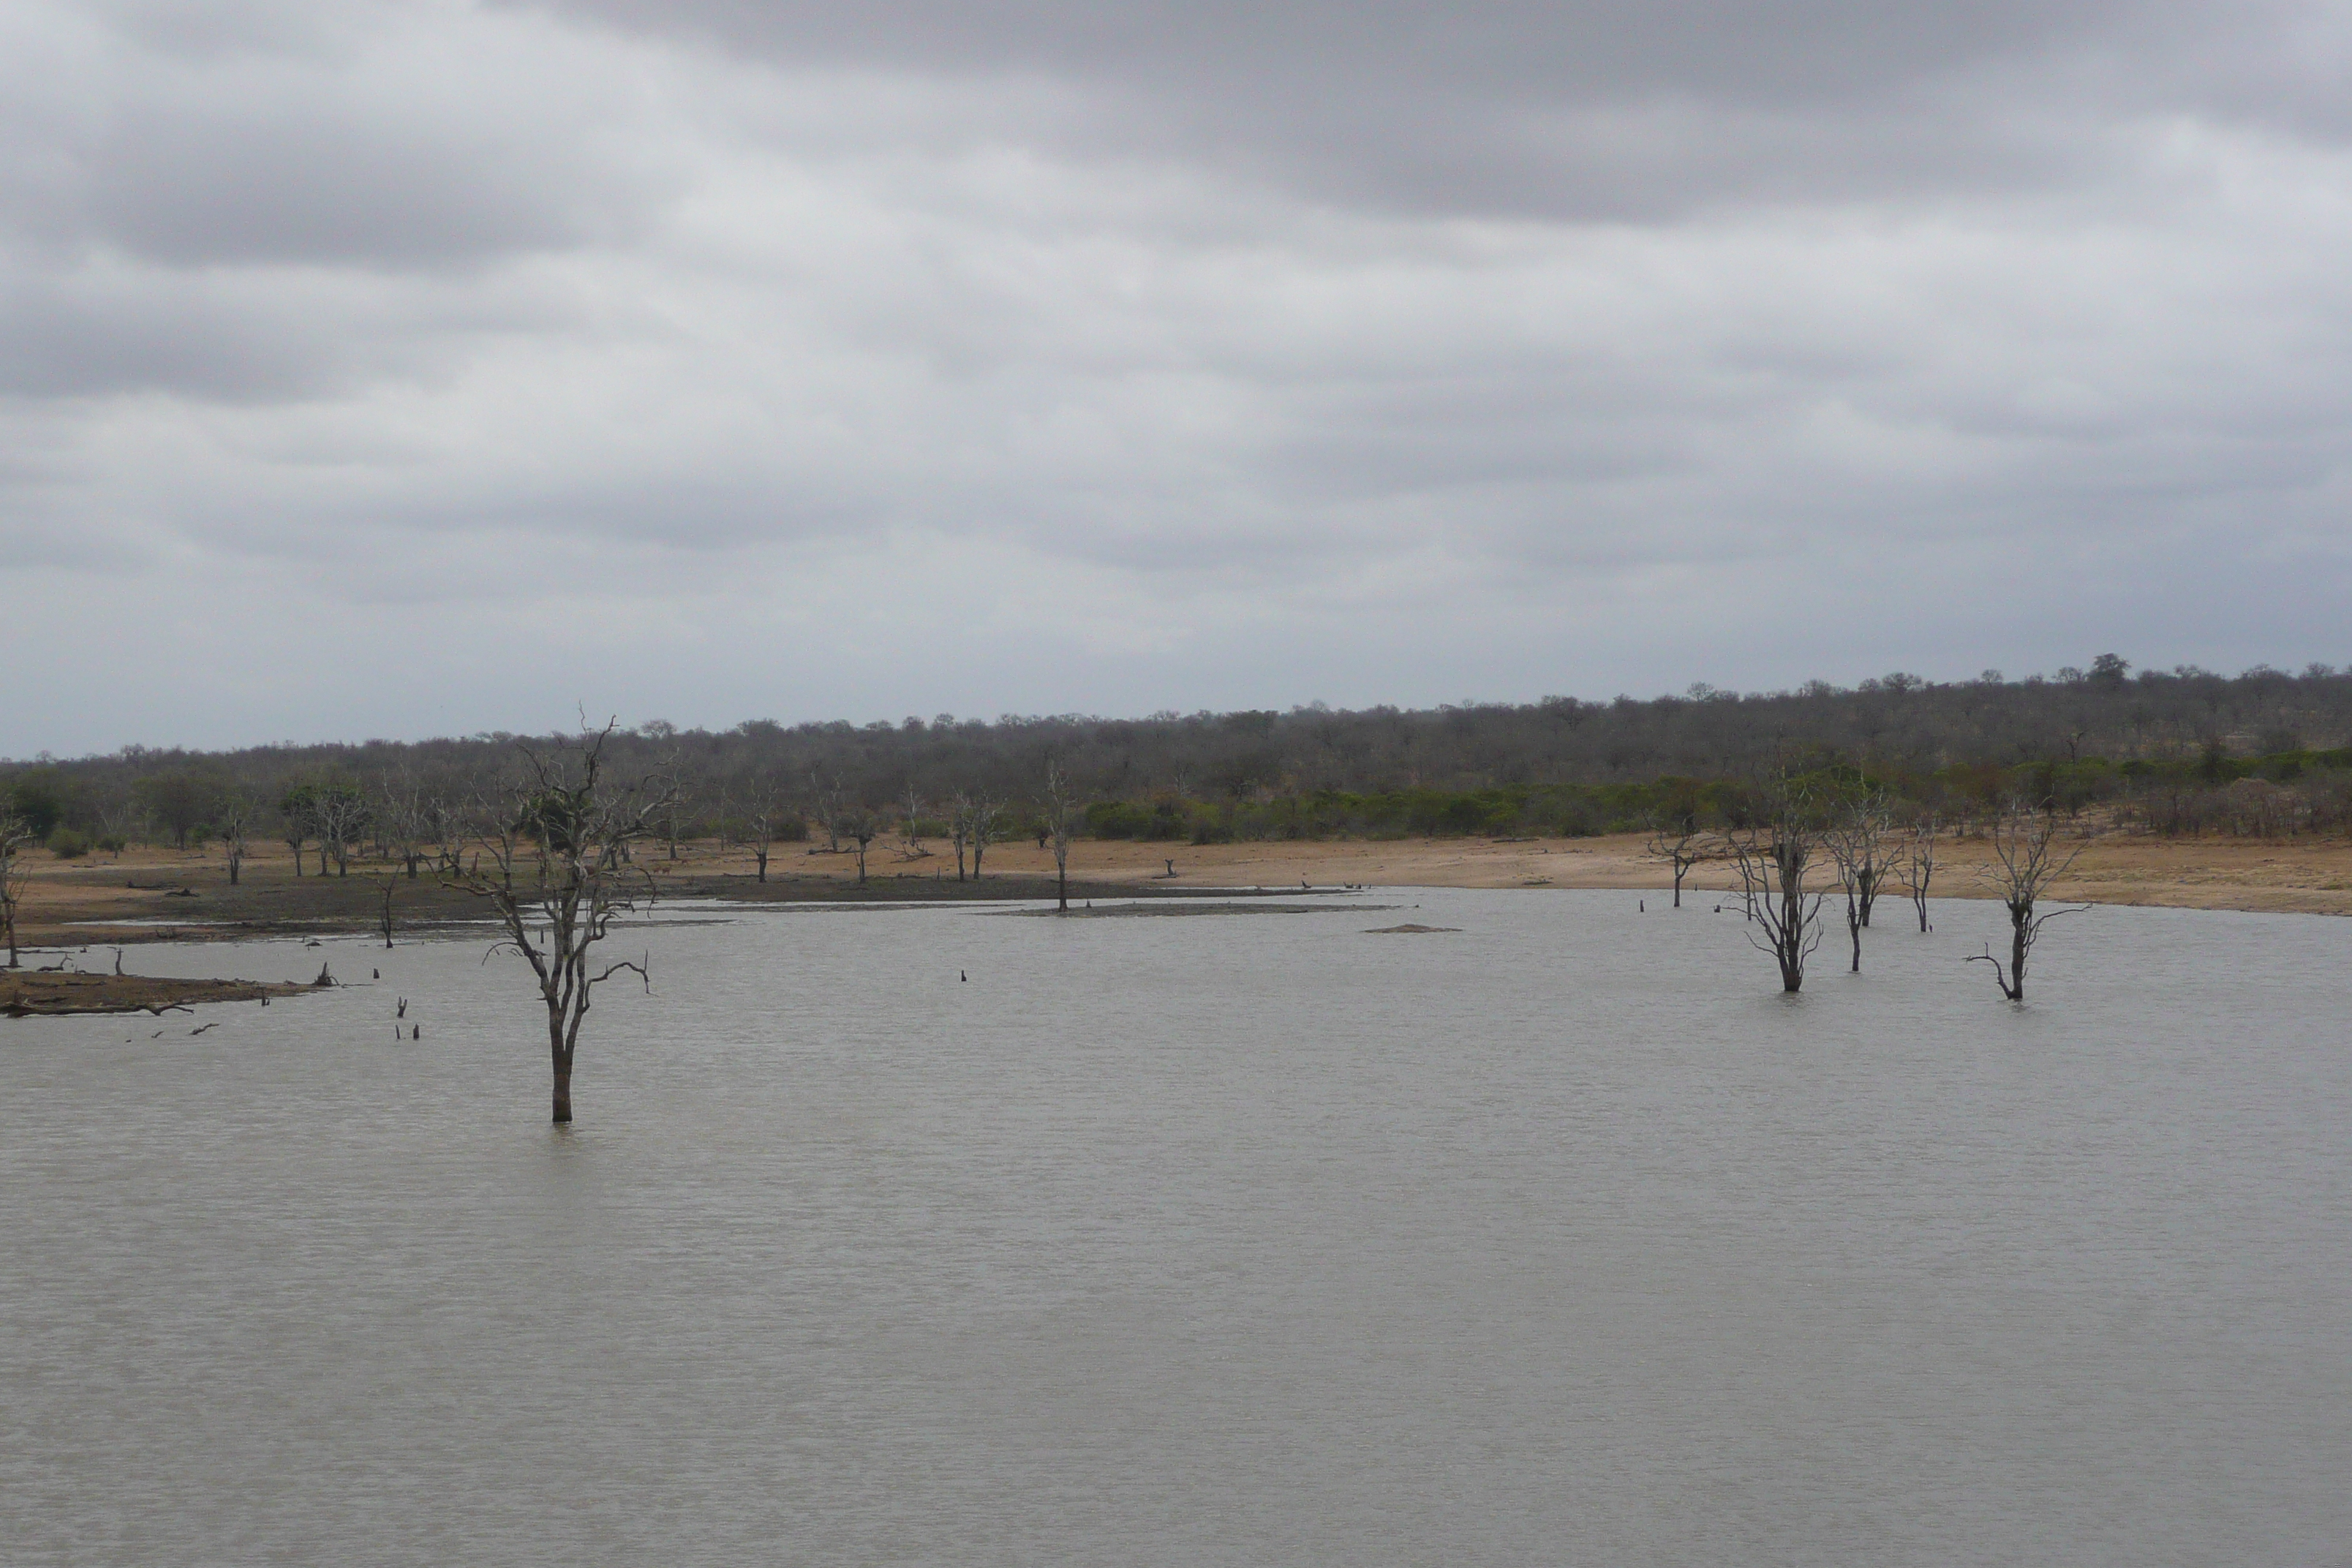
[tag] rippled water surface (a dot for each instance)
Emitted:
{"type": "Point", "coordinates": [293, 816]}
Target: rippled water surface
{"type": "Point", "coordinates": [1245, 1239]}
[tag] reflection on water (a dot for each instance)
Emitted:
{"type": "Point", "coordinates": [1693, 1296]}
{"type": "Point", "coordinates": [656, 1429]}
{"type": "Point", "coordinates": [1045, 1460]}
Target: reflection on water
{"type": "Point", "coordinates": [1563, 1238]}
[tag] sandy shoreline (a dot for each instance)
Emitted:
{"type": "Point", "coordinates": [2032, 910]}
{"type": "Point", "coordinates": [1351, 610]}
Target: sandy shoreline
{"type": "Point", "coordinates": [160, 893]}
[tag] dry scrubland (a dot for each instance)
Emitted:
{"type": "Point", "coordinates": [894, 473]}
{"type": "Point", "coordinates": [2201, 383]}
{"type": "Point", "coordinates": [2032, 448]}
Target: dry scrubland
{"type": "Point", "coordinates": [158, 893]}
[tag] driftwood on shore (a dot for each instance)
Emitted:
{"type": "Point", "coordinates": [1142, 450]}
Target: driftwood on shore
{"type": "Point", "coordinates": [47, 994]}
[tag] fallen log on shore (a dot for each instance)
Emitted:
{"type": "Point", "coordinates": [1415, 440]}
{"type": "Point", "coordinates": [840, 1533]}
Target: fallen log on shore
{"type": "Point", "coordinates": [30, 994]}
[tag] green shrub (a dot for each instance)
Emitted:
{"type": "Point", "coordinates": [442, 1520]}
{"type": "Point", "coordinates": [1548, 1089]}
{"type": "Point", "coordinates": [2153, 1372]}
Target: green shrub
{"type": "Point", "coordinates": [113, 843]}
{"type": "Point", "coordinates": [67, 845]}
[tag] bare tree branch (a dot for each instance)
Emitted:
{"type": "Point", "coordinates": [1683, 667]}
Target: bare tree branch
{"type": "Point", "coordinates": [558, 874]}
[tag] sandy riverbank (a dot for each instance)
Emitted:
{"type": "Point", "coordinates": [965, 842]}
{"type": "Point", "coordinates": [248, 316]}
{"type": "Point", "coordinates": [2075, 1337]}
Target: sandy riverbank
{"type": "Point", "coordinates": [159, 892]}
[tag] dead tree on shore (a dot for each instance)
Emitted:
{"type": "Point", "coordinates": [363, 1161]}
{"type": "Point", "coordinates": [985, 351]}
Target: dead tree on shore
{"type": "Point", "coordinates": [235, 820]}
{"type": "Point", "coordinates": [17, 839]}
{"type": "Point", "coordinates": [1678, 842]}
{"type": "Point", "coordinates": [863, 826]}
{"type": "Point", "coordinates": [1773, 858]}
{"type": "Point", "coordinates": [338, 811]}
{"type": "Point", "coordinates": [294, 810]}
{"type": "Point", "coordinates": [910, 831]}
{"type": "Point", "coordinates": [552, 866]}
{"type": "Point", "coordinates": [828, 809]}
{"type": "Point", "coordinates": [2027, 860]}
{"type": "Point", "coordinates": [446, 826]}
{"type": "Point", "coordinates": [987, 819]}
{"type": "Point", "coordinates": [1918, 862]}
{"type": "Point", "coordinates": [1860, 844]}
{"type": "Point", "coordinates": [960, 827]}
{"type": "Point", "coordinates": [761, 822]}
{"type": "Point", "coordinates": [399, 818]}
{"type": "Point", "coordinates": [1060, 821]}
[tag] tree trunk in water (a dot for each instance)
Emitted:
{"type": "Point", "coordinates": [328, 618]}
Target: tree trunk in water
{"type": "Point", "coordinates": [1062, 885]}
{"type": "Point", "coordinates": [2017, 956]}
{"type": "Point", "coordinates": [1854, 929]}
{"type": "Point", "coordinates": [1678, 888]}
{"type": "Point", "coordinates": [562, 1060]}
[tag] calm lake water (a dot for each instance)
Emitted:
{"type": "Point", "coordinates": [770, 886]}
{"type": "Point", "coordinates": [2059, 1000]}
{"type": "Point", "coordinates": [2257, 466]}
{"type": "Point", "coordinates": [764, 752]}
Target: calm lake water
{"type": "Point", "coordinates": [1250, 1239]}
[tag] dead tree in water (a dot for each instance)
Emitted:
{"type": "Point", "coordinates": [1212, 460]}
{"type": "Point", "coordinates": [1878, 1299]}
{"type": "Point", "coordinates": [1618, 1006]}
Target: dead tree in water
{"type": "Point", "coordinates": [1060, 820]}
{"type": "Point", "coordinates": [1679, 843]}
{"type": "Point", "coordinates": [16, 837]}
{"type": "Point", "coordinates": [557, 876]}
{"type": "Point", "coordinates": [383, 915]}
{"type": "Point", "coordinates": [2026, 861]}
{"type": "Point", "coordinates": [1773, 860]}
{"type": "Point", "coordinates": [1861, 845]}
{"type": "Point", "coordinates": [1918, 863]}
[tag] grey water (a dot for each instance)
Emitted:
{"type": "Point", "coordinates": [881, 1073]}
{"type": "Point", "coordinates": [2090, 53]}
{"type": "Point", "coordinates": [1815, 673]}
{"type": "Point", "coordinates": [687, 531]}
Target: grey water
{"type": "Point", "coordinates": [1563, 1238]}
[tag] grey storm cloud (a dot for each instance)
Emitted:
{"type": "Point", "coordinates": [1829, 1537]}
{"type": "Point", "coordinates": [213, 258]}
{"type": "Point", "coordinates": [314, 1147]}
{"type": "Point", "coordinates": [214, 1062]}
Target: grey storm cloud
{"type": "Point", "coordinates": [859, 360]}
{"type": "Point", "coordinates": [1581, 110]}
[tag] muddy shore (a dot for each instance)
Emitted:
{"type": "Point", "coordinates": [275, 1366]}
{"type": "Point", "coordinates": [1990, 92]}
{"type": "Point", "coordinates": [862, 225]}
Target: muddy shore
{"type": "Point", "coordinates": [153, 895]}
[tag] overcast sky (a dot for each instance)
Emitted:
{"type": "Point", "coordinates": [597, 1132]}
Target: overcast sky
{"type": "Point", "coordinates": [434, 367]}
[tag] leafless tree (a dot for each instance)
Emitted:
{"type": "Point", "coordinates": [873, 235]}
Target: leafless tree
{"type": "Point", "coordinates": [556, 877]}
{"type": "Point", "coordinates": [17, 840]}
{"type": "Point", "coordinates": [987, 817]}
{"type": "Point", "coordinates": [391, 883]}
{"type": "Point", "coordinates": [1677, 841]}
{"type": "Point", "coordinates": [238, 810]}
{"type": "Point", "coordinates": [762, 825]}
{"type": "Point", "coordinates": [2027, 860]}
{"type": "Point", "coordinates": [1860, 843]}
{"type": "Point", "coordinates": [828, 809]}
{"type": "Point", "coordinates": [1060, 822]}
{"type": "Point", "coordinates": [1774, 859]}
{"type": "Point", "coordinates": [444, 825]}
{"type": "Point", "coordinates": [1919, 862]}
{"type": "Point", "coordinates": [960, 827]}
{"type": "Point", "coordinates": [339, 811]}
{"type": "Point", "coordinates": [862, 827]}
{"type": "Point", "coordinates": [910, 836]}
{"type": "Point", "coordinates": [399, 816]}
{"type": "Point", "coordinates": [295, 813]}
{"type": "Point", "coordinates": [673, 808]}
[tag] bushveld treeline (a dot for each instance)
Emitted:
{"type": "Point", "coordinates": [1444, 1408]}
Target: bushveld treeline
{"type": "Point", "coordinates": [2183, 750]}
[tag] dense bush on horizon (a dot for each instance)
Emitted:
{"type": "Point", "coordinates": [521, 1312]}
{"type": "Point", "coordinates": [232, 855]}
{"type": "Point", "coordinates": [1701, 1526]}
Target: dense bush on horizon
{"type": "Point", "coordinates": [2180, 750]}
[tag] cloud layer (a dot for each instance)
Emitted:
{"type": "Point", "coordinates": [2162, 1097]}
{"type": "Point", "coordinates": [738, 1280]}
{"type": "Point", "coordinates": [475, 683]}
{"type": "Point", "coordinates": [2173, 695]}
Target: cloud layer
{"type": "Point", "coordinates": [434, 367]}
